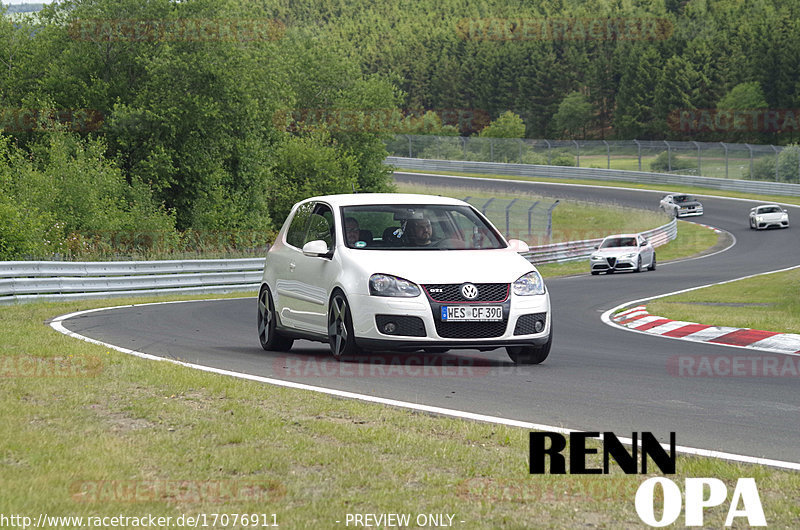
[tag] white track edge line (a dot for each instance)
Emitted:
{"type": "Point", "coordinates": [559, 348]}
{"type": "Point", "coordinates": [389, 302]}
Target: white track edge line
{"type": "Point", "coordinates": [57, 325]}
{"type": "Point", "coordinates": [606, 316]}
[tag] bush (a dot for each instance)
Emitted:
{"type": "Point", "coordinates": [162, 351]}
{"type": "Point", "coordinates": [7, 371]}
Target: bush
{"type": "Point", "coordinates": [663, 163]}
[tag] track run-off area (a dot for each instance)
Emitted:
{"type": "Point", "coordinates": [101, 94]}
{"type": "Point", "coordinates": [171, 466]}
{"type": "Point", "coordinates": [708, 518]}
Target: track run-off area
{"type": "Point", "coordinates": [597, 377]}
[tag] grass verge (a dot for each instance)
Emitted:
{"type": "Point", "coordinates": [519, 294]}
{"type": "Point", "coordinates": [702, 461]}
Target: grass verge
{"type": "Point", "coordinates": [616, 184]}
{"type": "Point", "coordinates": [95, 432]}
{"type": "Point", "coordinates": [770, 302]}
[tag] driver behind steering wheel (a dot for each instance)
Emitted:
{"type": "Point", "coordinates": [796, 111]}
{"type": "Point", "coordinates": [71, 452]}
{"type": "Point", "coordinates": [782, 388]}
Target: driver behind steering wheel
{"type": "Point", "coordinates": [419, 232]}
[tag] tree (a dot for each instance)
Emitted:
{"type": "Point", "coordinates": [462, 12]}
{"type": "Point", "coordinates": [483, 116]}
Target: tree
{"type": "Point", "coordinates": [508, 125]}
{"type": "Point", "coordinates": [574, 113]}
{"type": "Point", "coordinates": [744, 96]}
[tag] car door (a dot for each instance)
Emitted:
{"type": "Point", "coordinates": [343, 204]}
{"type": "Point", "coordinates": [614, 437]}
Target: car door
{"type": "Point", "coordinates": [306, 288]}
{"type": "Point", "coordinates": [645, 250]}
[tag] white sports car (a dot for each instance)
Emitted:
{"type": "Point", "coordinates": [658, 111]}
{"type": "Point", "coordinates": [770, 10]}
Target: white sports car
{"type": "Point", "coordinates": [768, 216]}
{"type": "Point", "coordinates": [623, 252]}
{"type": "Point", "coordinates": [681, 205]}
{"type": "Point", "coordinates": [401, 272]}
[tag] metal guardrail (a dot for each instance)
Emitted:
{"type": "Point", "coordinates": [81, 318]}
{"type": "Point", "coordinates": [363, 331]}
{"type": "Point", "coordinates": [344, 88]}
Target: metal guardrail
{"type": "Point", "coordinates": [578, 250]}
{"type": "Point", "coordinates": [25, 281]}
{"type": "Point", "coordinates": [618, 175]}
{"type": "Point", "coordinates": [22, 281]}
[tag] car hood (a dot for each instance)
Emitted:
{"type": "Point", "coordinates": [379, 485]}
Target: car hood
{"type": "Point", "coordinates": [444, 266]}
{"type": "Point", "coordinates": [615, 252]}
{"type": "Point", "coordinates": [771, 216]}
{"type": "Point", "coordinates": [688, 204]}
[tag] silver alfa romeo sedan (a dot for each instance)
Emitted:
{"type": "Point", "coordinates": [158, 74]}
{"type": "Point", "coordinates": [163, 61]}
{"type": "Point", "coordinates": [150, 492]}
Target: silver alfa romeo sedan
{"type": "Point", "coordinates": [401, 272]}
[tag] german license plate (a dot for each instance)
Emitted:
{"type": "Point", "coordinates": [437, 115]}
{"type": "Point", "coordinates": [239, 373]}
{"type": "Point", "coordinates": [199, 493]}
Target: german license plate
{"type": "Point", "coordinates": [472, 313]}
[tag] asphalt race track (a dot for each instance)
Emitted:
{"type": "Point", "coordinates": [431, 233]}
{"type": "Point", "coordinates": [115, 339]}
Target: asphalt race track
{"type": "Point", "coordinates": [597, 378]}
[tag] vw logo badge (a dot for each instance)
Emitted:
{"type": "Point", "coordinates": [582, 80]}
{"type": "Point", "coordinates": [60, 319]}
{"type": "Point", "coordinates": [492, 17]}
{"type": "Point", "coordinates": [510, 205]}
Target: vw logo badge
{"type": "Point", "coordinates": [469, 291]}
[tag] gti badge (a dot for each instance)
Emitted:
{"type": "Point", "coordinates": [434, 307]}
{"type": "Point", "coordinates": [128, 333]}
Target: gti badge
{"type": "Point", "coordinates": [469, 291]}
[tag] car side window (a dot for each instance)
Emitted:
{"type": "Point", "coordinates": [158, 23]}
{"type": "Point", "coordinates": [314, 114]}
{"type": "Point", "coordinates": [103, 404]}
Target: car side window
{"type": "Point", "coordinates": [295, 234]}
{"type": "Point", "coordinates": [320, 225]}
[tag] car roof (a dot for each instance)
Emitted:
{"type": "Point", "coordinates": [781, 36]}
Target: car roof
{"type": "Point", "coordinates": [358, 199]}
{"type": "Point", "coordinates": [622, 235]}
{"type": "Point", "coordinates": [767, 205]}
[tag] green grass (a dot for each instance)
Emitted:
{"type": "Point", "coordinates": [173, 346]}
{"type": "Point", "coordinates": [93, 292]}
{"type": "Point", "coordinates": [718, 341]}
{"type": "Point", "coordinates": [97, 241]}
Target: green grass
{"type": "Point", "coordinates": [82, 445]}
{"type": "Point", "coordinates": [671, 189]}
{"type": "Point", "coordinates": [770, 302]}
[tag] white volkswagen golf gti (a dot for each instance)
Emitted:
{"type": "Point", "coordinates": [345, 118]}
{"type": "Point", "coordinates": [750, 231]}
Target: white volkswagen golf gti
{"type": "Point", "coordinates": [400, 272]}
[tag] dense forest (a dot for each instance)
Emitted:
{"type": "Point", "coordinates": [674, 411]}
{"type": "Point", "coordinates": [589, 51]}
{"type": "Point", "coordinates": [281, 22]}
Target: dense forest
{"type": "Point", "coordinates": [181, 119]}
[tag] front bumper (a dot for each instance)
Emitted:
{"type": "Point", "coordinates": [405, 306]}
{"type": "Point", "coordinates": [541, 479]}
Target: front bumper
{"type": "Point", "coordinates": [686, 212]}
{"type": "Point", "coordinates": [418, 327]}
{"type": "Point", "coordinates": [610, 263]}
{"type": "Point", "coordinates": [772, 224]}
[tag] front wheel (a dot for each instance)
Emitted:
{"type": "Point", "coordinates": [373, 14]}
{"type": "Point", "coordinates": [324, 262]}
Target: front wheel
{"type": "Point", "coordinates": [638, 265]}
{"type": "Point", "coordinates": [531, 354]}
{"type": "Point", "coordinates": [340, 328]}
{"type": "Point", "coordinates": [268, 336]}
{"type": "Point", "coordinates": [652, 266]}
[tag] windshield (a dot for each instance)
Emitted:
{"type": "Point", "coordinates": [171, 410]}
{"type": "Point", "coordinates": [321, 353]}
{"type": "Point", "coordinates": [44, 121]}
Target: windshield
{"type": "Point", "coordinates": [769, 209]}
{"type": "Point", "coordinates": [417, 227]}
{"type": "Point", "coordinates": [614, 242]}
{"type": "Point", "coordinates": [684, 198]}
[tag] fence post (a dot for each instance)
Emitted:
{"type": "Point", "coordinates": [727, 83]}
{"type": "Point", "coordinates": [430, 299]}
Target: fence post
{"type": "Point", "coordinates": [549, 231]}
{"type": "Point", "coordinates": [530, 212]}
{"type": "Point", "coordinates": [577, 152]}
{"type": "Point", "coordinates": [724, 146]}
{"type": "Point", "coordinates": [639, 150]}
{"type": "Point", "coordinates": [548, 152]}
{"type": "Point", "coordinates": [669, 157]}
{"type": "Point", "coordinates": [491, 149]}
{"type": "Point", "coordinates": [508, 217]}
{"type": "Point", "coordinates": [410, 155]}
{"type": "Point", "coordinates": [520, 150]}
{"type": "Point", "coordinates": [751, 159]}
{"type": "Point", "coordinates": [608, 155]}
{"type": "Point", "coordinates": [699, 171]}
{"type": "Point", "coordinates": [483, 210]}
{"type": "Point", "coordinates": [463, 146]}
{"type": "Point", "coordinates": [776, 161]}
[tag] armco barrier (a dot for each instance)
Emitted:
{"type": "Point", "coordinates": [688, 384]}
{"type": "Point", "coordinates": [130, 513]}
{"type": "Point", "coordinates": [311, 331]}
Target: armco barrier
{"type": "Point", "coordinates": [577, 250]}
{"type": "Point", "coordinates": [641, 177]}
{"type": "Point", "coordinates": [23, 281]}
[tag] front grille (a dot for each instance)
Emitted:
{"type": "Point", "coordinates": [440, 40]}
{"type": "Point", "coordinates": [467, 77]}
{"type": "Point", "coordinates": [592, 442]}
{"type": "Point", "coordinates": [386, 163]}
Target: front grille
{"type": "Point", "coordinates": [470, 330]}
{"type": "Point", "coordinates": [611, 261]}
{"type": "Point", "coordinates": [451, 292]}
{"type": "Point", "coordinates": [406, 326]}
{"type": "Point", "coordinates": [525, 323]}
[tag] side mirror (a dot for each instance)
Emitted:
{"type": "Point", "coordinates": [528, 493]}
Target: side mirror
{"type": "Point", "coordinates": [596, 247]}
{"type": "Point", "coordinates": [316, 248]}
{"type": "Point", "coordinates": [518, 246]}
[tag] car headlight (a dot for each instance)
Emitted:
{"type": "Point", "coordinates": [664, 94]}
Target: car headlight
{"type": "Point", "coordinates": [629, 255]}
{"type": "Point", "coordinates": [387, 285]}
{"type": "Point", "coordinates": [594, 257]}
{"type": "Point", "coordinates": [759, 219]}
{"type": "Point", "coordinates": [529, 284]}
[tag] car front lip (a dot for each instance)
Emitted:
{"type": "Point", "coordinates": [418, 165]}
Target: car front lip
{"type": "Point", "coordinates": [619, 263]}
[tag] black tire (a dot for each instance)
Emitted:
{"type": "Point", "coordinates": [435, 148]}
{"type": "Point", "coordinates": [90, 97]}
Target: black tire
{"type": "Point", "coordinates": [268, 336]}
{"type": "Point", "coordinates": [531, 354]}
{"type": "Point", "coordinates": [595, 273]}
{"type": "Point", "coordinates": [340, 328]}
{"type": "Point", "coordinates": [638, 265]}
{"type": "Point", "coordinates": [652, 266]}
